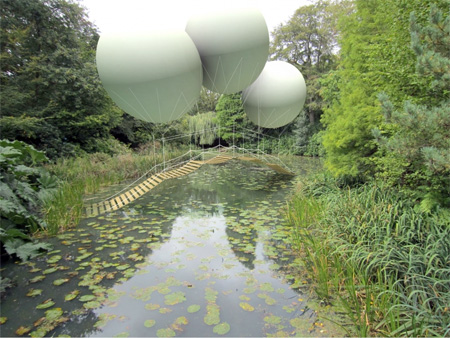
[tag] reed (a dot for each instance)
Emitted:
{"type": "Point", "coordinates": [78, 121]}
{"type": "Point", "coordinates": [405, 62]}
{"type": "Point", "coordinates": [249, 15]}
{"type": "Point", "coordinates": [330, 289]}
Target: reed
{"type": "Point", "coordinates": [371, 251]}
{"type": "Point", "coordinates": [86, 175]}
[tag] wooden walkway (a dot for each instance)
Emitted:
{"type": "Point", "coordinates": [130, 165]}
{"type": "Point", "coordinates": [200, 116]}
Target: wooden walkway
{"type": "Point", "coordinates": [134, 193]}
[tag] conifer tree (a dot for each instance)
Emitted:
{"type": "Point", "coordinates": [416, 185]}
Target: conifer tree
{"type": "Point", "coordinates": [417, 155]}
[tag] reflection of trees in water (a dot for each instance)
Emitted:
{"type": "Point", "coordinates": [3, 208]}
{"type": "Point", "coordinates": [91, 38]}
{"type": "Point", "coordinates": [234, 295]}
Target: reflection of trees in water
{"type": "Point", "coordinates": [245, 254]}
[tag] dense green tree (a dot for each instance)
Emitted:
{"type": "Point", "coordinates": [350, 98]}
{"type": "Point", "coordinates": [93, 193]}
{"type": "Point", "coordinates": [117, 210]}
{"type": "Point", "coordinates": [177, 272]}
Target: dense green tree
{"type": "Point", "coordinates": [230, 116]}
{"type": "Point", "coordinates": [206, 103]}
{"type": "Point", "coordinates": [309, 41]}
{"type": "Point", "coordinates": [51, 93]}
{"type": "Point", "coordinates": [374, 57]}
{"type": "Point", "coordinates": [416, 151]}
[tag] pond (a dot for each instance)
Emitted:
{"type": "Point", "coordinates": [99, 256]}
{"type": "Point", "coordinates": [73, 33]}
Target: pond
{"type": "Point", "coordinates": [206, 254]}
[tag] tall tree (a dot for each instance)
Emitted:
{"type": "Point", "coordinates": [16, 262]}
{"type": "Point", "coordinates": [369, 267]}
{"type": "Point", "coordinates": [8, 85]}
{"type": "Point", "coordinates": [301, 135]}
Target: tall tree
{"type": "Point", "coordinates": [416, 152]}
{"type": "Point", "coordinates": [373, 58]}
{"type": "Point", "coordinates": [51, 93]}
{"type": "Point", "coordinates": [309, 41]}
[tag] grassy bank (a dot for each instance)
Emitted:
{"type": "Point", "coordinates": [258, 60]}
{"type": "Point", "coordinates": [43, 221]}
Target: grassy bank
{"type": "Point", "coordinates": [85, 175]}
{"type": "Point", "coordinates": [369, 250]}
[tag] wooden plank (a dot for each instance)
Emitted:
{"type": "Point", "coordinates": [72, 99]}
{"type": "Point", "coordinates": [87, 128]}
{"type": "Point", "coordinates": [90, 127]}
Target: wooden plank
{"type": "Point", "coordinates": [118, 202]}
{"type": "Point", "coordinates": [151, 183]}
{"type": "Point", "coordinates": [157, 178]}
{"type": "Point", "coordinates": [129, 195]}
{"type": "Point", "coordinates": [184, 171]}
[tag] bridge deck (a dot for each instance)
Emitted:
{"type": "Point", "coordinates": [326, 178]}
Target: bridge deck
{"type": "Point", "coordinates": [134, 193]}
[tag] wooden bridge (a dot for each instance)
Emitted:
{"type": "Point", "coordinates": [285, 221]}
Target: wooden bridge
{"type": "Point", "coordinates": [137, 191]}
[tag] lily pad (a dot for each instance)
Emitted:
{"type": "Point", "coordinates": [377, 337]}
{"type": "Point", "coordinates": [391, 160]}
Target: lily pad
{"type": "Point", "coordinates": [3, 320]}
{"type": "Point", "coordinates": [54, 259]}
{"type": "Point", "coordinates": [152, 306]}
{"type": "Point", "coordinates": [165, 333]}
{"type": "Point", "coordinates": [53, 314]}
{"type": "Point", "coordinates": [37, 279]}
{"type": "Point", "coordinates": [222, 328]}
{"type": "Point", "coordinates": [22, 330]}
{"type": "Point", "coordinates": [72, 295]}
{"type": "Point", "coordinates": [49, 270]}
{"type": "Point", "coordinates": [87, 298]}
{"type": "Point", "coordinates": [274, 320]}
{"type": "Point", "coordinates": [45, 304]}
{"type": "Point", "coordinates": [92, 305]}
{"type": "Point", "coordinates": [149, 323]}
{"type": "Point", "coordinates": [246, 306]}
{"type": "Point", "coordinates": [212, 316]}
{"type": "Point", "coordinates": [34, 292]}
{"type": "Point", "coordinates": [122, 334]}
{"type": "Point", "coordinates": [60, 281]}
{"type": "Point", "coordinates": [193, 308]}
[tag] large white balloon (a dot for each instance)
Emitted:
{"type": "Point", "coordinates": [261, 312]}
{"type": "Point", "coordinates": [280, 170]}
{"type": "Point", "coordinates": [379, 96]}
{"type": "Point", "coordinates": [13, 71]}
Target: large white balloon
{"type": "Point", "coordinates": [233, 45]}
{"type": "Point", "coordinates": [155, 76]}
{"type": "Point", "coordinates": [276, 97]}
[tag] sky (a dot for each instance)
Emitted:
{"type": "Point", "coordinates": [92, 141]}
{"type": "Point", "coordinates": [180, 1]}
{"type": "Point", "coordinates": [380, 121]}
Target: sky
{"type": "Point", "coordinates": [135, 15]}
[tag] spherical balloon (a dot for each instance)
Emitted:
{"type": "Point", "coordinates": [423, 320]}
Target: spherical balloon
{"type": "Point", "coordinates": [276, 97]}
{"type": "Point", "coordinates": [233, 46]}
{"type": "Point", "coordinates": [155, 76]}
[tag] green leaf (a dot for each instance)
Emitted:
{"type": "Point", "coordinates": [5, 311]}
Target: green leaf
{"type": "Point", "coordinates": [246, 306]}
{"type": "Point", "coordinates": [165, 333]}
{"type": "Point", "coordinates": [222, 328]}
{"type": "Point", "coordinates": [149, 323]}
{"type": "Point", "coordinates": [45, 304]}
{"type": "Point", "coordinates": [193, 308]}
{"type": "Point", "coordinates": [34, 292]}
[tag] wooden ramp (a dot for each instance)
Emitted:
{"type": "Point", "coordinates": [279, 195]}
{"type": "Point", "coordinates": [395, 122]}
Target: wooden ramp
{"type": "Point", "coordinates": [144, 187]}
{"type": "Point", "coordinates": [139, 190]}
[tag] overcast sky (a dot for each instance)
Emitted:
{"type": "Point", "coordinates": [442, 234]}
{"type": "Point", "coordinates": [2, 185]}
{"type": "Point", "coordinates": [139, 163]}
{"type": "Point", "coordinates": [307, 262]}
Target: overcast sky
{"type": "Point", "coordinates": [130, 15]}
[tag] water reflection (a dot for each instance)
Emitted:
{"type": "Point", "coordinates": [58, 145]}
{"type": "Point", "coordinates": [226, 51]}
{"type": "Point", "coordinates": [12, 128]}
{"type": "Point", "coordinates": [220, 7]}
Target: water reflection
{"type": "Point", "coordinates": [197, 255]}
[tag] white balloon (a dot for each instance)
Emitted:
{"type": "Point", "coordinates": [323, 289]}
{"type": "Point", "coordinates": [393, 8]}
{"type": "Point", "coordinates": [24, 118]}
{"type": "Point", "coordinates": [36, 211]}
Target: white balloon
{"type": "Point", "coordinates": [155, 76]}
{"type": "Point", "coordinates": [276, 97]}
{"type": "Point", "coordinates": [233, 45]}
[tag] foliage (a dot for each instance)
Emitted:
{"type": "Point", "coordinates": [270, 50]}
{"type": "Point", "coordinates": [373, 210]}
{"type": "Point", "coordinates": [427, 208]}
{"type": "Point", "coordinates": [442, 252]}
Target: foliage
{"type": "Point", "coordinates": [373, 58]}
{"type": "Point", "coordinates": [49, 78]}
{"type": "Point", "coordinates": [24, 188]}
{"type": "Point", "coordinates": [203, 128]}
{"type": "Point", "coordinates": [230, 115]}
{"type": "Point", "coordinates": [369, 250]}
{"type": "Point", "coordinates": [206, 103]}
{"type": "Point", "coordinates": [416, 148]}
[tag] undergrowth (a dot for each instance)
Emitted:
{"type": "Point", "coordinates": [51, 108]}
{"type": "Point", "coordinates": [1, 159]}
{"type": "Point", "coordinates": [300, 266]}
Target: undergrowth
{"type": "Point", "coordinates": [85, 175]}
{"type": "Point", "coordinates": [374, 253]}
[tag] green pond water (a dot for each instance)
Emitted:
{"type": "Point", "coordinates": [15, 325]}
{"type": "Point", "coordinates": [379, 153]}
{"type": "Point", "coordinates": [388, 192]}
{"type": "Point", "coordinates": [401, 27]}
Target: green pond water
{"type": "Point", "coordinates": [206, 254]}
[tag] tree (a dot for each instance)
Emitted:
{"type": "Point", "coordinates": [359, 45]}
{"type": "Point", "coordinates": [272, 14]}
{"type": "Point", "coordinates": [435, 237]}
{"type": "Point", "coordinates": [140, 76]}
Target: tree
{"type": "Point", "coordinates": [416, 153]}
{"type": "Point", "coordinates": [309, 41]}
{"type": "Point", "coordinates": [49, 81]}
{"type": "Point", "coordinates": [373, 58]}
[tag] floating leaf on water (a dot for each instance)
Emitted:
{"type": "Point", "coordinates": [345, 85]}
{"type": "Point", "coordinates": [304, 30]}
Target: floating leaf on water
{"type": "Point", "coordinates": [54, 259]}
{"type": "Point", "coordinates": [123, 267]}
{"type": "Point", "coordinates": [149, 323]}
{"type": "Point", "coordinates": [174, 298]}
{"type": "Point", "coordinates": [212, 316]}
{"type": "Point", "coordinates": [193, 308]}
{"type": "Point", "coordinates": [53, 314]}
{"type": "Point", "coordinates": [49, 270]}
{"type": "Point", "coordinates": [92, 305]}
{"type": "Point", "coordinates": [34, 292]}
{"type": "Point", "coordinates": [72, 295]}
{"type": "Point", "coordinates": [164, 310]}
{"type": "Point", "coordinates": [300, 323]}
{"type": "Point", "coordinates": [35, 270]}
{"type": "Point", "coordinates": [152, 306]}
{"type": "Point", "coordinates": [122, 334]}
{"type": "Point", "coordinates": [60, 281]}
{"type": "Point", "coordinates": [246, 306]}
{"type": "Point", "coordinates": [39, 321]}
{"type": "Point", "coordinates": [222, 328]}
{"type": "Point", "coordinates": [22, 330]}
{"type": "Point", "coordinates": [165, 333]}
{"type": "Point", "coordinates": [267, 287]}
{"type": "Point", "coordinates": [244, 297]}
{"type": "Point", "coordinates": [87, 298]}
{"type": "Point", "coordinates": [45, 304]}
{"type": "Point", "coordinates": [281, 290]}
{"type": "Point", "coordinates": [210, 295]}
{"type": "Point", "coordinates": [274, 320]}
{"type": "Point", "coordinates": [3, 320]}
{"type": "Point", "coordinates": [250, 289]}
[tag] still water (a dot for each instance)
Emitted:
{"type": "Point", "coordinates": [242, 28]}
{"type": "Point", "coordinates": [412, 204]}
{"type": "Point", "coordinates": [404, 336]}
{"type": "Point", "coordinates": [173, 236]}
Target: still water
{"type": "Point", "coordinates": [207, 254]}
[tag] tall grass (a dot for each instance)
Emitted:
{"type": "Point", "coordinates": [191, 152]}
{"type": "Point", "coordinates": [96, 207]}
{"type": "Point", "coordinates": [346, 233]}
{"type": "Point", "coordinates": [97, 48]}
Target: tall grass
{"type": "Point", "coordinates": [85, 175]}
{"type": "Point", "coordinates": [372, 252]}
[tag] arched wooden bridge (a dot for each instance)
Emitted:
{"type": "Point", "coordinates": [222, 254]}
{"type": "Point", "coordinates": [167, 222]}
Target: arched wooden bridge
{"type": "Point", "coordinates": [137, 191]}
